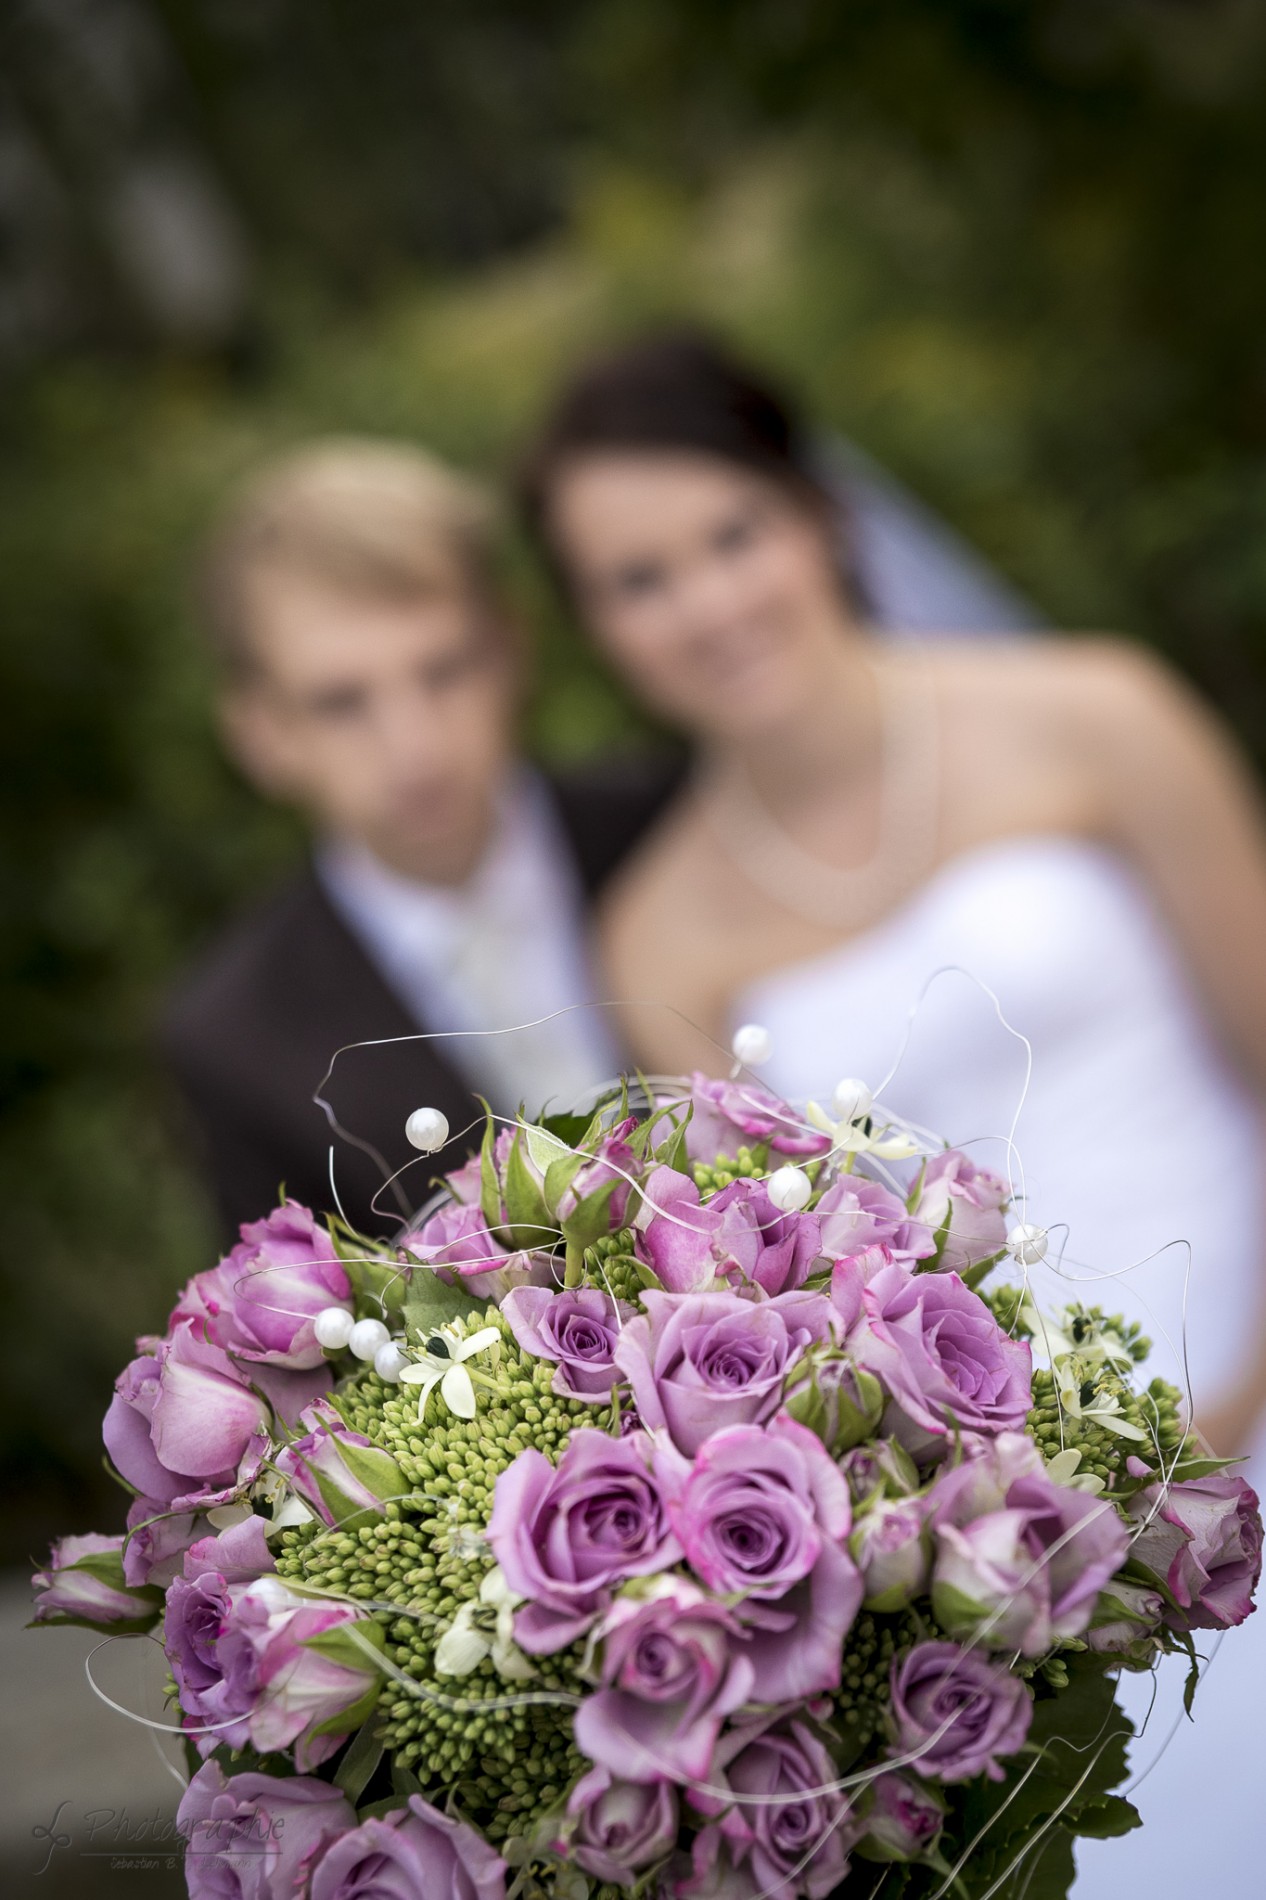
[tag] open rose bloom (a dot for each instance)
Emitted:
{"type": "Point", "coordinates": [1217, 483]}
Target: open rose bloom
{"type": "Point", "coordinates": [643, 1522]}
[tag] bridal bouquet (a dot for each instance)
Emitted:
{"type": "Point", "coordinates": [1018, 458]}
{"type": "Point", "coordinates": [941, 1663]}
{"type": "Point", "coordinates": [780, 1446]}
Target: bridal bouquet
{"type": "Point", "coordinates": [693, 1503]}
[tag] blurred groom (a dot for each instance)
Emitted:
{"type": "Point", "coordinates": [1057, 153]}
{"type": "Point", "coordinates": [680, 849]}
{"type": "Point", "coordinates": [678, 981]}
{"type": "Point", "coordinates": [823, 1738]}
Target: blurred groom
{"type": "Point", "coordinates": [370, 678]}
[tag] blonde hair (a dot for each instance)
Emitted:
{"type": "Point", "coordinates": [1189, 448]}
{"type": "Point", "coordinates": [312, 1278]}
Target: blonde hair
{"type": "Point", "coordinates": [369, 518]}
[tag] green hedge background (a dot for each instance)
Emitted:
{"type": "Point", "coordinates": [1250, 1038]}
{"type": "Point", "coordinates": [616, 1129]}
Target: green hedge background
{"type": "Point", "coordinates": [1014, 251]}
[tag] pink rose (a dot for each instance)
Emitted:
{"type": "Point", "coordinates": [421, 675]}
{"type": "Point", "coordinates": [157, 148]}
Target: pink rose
{"type": "Point", "coordinates": [673, 1668]}
{"type": "Point", "coordinates": [1203, 1539]}
{"type": "Point", "coordinates": [700, 1362]}
{"type": "Point", "coordinates": [963, 1203]}
{"type": "Point", "coordinates": [942, 1355]}
{"type": "Point", "coordinates": [260, 1302]}
{"type": "Point", "coordinates": [84, 1583]}
{"type": "Point", "coordinates": [566, 1537]}
{"type": "Point", "coordinates": [954, 1713]}
{"type": "Point", "coordinates": [255, 1837]}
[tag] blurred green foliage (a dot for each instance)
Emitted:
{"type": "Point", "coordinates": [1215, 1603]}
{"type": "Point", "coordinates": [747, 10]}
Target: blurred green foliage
{"type": "Point", "coordinates": [1010, 249]}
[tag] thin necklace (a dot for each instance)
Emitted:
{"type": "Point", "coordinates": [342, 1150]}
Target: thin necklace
{"type": "Point", "coordinates": [837, 895]}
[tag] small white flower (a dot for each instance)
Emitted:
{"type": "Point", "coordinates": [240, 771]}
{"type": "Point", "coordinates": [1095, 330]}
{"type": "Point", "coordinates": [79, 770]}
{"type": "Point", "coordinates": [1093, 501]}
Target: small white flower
{"type": "Point", "coordinates": [1099, 1408]}
{"type": "Point", "coordinates": [1063, 1468]}
{"type": "Point", "coordinates": [889, 1142]}
{"type": "Point", "coordinates": [1074, 1332]}
{"type": "Point", "coordinates": [441, 1364]}
{"type": "Point", "coordinates": [475, 1633]}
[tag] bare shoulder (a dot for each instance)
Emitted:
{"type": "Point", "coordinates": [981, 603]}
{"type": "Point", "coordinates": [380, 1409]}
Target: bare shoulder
{"type": "Point", "coordinates": [1061, 686]}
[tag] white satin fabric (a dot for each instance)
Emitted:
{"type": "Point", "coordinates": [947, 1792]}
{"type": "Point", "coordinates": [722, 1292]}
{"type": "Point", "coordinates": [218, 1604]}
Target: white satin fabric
{"type": "Point", "coordinates": [1136, 1135]}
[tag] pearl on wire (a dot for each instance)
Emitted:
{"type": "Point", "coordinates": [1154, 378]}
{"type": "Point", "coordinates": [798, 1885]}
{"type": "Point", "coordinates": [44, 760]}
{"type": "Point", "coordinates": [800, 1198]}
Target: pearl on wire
{"type": "Point", "coordinates": [1027, 1243]}
{"type": "Point", "coordinates": [366, 1336]}
{"type": "Point", "coordinates": [333, 1327]}
{"type": "Point", "coordinates": [789, 1189]}
{"type": "Point", "coordinates": [390, 1361]}
{"type": "Point", "coordinates": [852, 1099]}
{"type": "Point", "coordinates": [427, 1129]}
{"type": "Point", "coordinates": [751, 1044]}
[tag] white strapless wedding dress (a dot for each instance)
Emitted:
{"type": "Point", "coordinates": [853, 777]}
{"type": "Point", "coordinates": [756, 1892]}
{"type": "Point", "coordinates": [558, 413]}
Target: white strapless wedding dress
{"type": "Point", "coordinates": [1136, 1134]}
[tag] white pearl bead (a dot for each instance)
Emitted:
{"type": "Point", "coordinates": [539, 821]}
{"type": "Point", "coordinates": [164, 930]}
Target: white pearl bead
{"type": "Point", "coordinates": [427, 1129]}
{"type": "Point", "coordinates": [789, 1189]}
{"type": "Point", "coordinates": [333, 1327]}
{"type": "Point", "coordinates": [752, 1044]}
{"type": "Point", "coordinates": [852, 1099]}
{"type": "Point", "coordinates": [390, 1361]}
{"type": "Point", "coordinates": [366, 1336]}
{"type": "Point", "coordinates": [1027, 1243]}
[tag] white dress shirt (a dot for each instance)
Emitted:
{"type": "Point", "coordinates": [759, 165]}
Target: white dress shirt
{"type": "Point", "coordinates": [480, 963]}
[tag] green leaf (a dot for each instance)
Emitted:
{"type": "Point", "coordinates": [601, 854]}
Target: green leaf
{"type": "Point", "coordinates": [377, 1470]}
{"type": "Point", "coordinates": [1107, 1817]}
{"type": "Point", "coordinates": [432, 1302]}
{"type": "Point", "coordinates": [363, 1755]}
{"type": "Point", "coordinates": [349, 1644]}
{"type": "Point", "coordinates": [559, 1176]}
{"type": "Point", "coordinates": [571, 1130]}
{"type": "Point", "coordinates": [489, 1185]}
{"type": "Point", "coordinates": [404, 1781]}
{"type": "Point", "coordinates": [591, 1218]}
{"type": "Point", "coordinates": [528, 1222]}
{"type": "Point", "coordinates": [1080, 1737]}
{"type": "Point", "coordinates": [545, 1147]}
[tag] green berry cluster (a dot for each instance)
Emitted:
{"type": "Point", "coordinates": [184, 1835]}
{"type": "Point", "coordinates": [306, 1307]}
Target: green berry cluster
{"type": "Point", "coordinates": [611, 1266]}
{"type": "Point", "coordinates": [508, 1762]}
{"type": "Point", "coordinates": [750, 1164]}
{"type": "Point", "coordinates": [863, 1696]}
{"type": "Point", "coordinates": [423, 1559]}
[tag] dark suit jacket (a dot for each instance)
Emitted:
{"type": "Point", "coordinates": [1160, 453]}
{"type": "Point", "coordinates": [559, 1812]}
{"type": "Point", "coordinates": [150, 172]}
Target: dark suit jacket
{"type": "Point", "coordinates": [252, 1029]}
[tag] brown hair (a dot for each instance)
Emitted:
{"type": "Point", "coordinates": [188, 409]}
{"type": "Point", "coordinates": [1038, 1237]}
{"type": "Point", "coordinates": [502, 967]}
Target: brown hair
{"type": "Point", "coordinates": [369, 518]}
{"type": "Point", "coordinates": [676, 389]}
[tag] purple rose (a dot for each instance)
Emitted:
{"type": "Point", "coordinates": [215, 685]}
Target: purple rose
{"type": "Point", "coordinates": [254, 1837]}
{"type": "Point", "coordinates": [758, 1245]}
{"type": "Point", "coordinates": [156, 1542]}
{"type": "Point", "coordinates": [953, 1712]}
{"type": "Point", "coordinates": [890, 1547]}
{"type": "Point", "coordinates": [796, 1641]}
{"type": "Point", "coordinates": [757, 1507]}
{"type": "Point", "coordinates": [942, 1355]}
{"type": "Point", "coordinates": [458, 1237]}
{"type": "Point", "coordinates": [673, 1668]}
{"type": "Point", "coordinates": [619, 1828]}
{"type": "Point", "coordinates": [240, 1553]}
{"type": "Point", "coordinates": [339, 1473]}
{"type": "Point", "coordinates": [674, 1232]}
{"type": "Point", "coordinates": [789, 1829]}
{"type": "Point", "coordinates": [1203, 1539]}
{"type": "Point", "coordinates": [903, 1819]}
{"type": "Point", "coordinates": [965, 1203]}
{"type": "Point", "coordinates": [727, 1114]}
{"type": "Point", "coordinates": [184, 1427]}
{"type": "Point", "coordinates": [1019, 1560]}
{"type": "Point", "coordinates": [700, 1362]}
{"type": "Point", "coordinates": [578, 1329]}
{"type": "Point", "coordinates": [856, 1215]}
{"type": "Point", "coordinates": [565, 1537]}
{"type": "Point", "coordinates": [84, 1583]}
{"type": "Point", "coordinates": [260, 1302]}
{"type": "Point", "coordinates": [258, 1663]}
{"type": "Point", "coordinates": [414, 1851]}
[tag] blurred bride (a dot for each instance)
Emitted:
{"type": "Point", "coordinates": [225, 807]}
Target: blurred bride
{"type": "Point", "coordinates": [1054, 823]}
